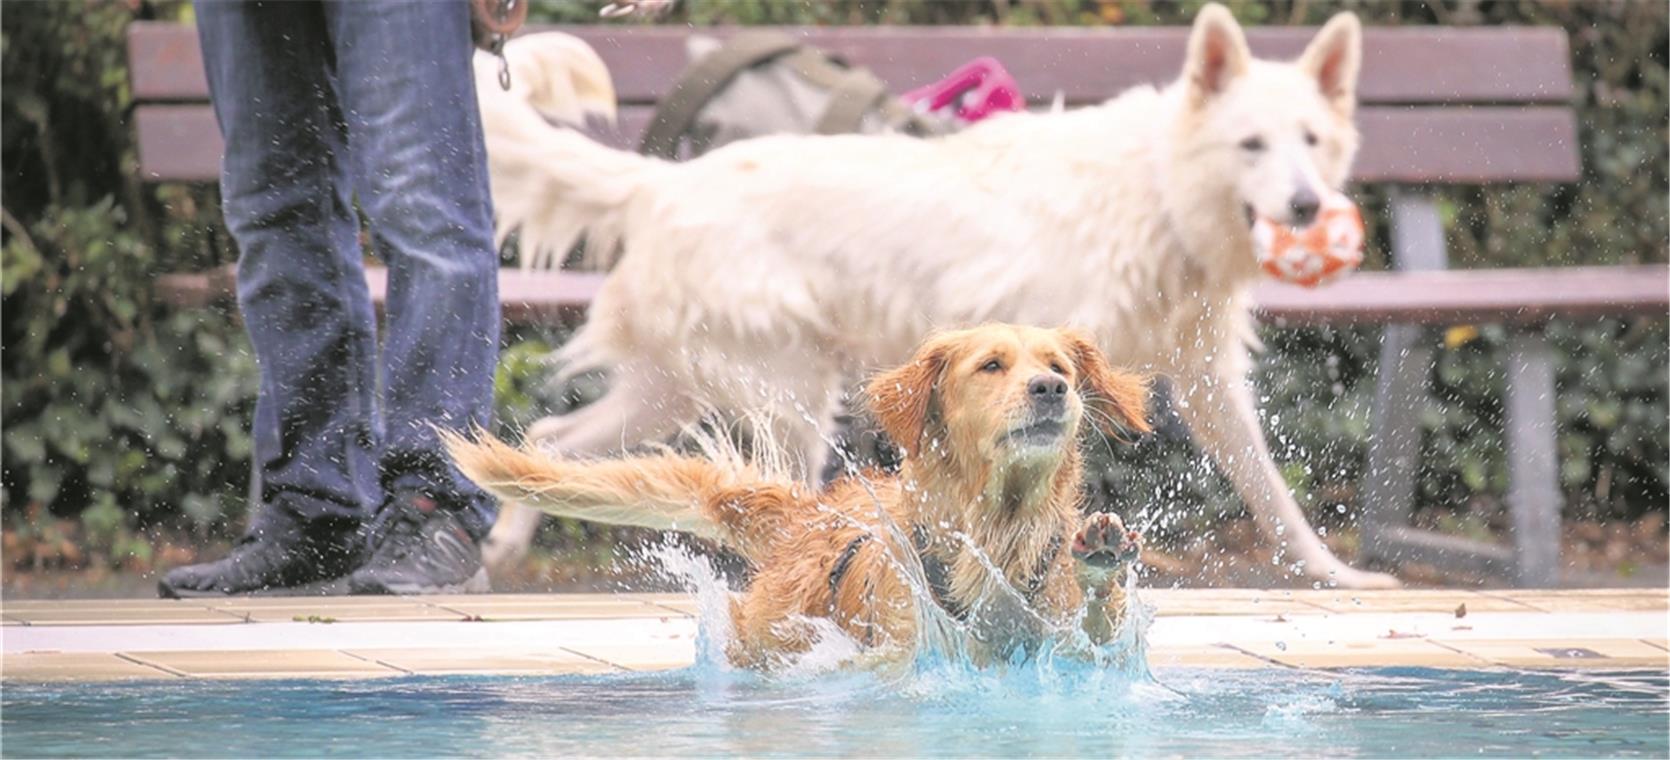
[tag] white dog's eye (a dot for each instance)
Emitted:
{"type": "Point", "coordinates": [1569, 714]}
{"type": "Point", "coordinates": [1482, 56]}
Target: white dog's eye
{"type": "Point", "coordinates": [992, 366]}
{"type": "Point", "coordinates": [1310, 137]}
{"type": "Point", "coordinates": [1253, 144]}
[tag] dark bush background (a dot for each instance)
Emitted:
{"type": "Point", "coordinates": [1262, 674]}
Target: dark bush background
{"type": "Point", "coordinates": [125, 421]}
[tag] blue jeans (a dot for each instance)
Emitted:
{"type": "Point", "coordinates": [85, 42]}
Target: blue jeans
{"type": "Point", "coordinates": [320, 104]}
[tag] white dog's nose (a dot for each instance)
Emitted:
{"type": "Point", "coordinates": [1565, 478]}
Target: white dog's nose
{"type": "Point", "coordinates": [1304, 204]}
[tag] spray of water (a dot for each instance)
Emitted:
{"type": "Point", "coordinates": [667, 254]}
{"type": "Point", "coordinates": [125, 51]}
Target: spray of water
{"type": "Point", "coordinates": [943, 659]}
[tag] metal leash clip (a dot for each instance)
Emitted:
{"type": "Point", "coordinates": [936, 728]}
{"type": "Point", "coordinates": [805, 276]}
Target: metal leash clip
{"type": "Point", "coordinates": [621, 8]}
{"type": "Point", "coordinates": [492, 22]}
{"type": "Point", "coordinates": [499, 38]}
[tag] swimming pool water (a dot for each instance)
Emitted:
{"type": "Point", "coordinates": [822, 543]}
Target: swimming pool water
{"type": "Point", "coordinates": [932, 712]}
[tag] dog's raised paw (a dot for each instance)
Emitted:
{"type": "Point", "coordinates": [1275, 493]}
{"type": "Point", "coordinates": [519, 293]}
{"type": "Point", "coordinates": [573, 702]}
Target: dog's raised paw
{"type": "Point", "coordinates": [1104, 541]}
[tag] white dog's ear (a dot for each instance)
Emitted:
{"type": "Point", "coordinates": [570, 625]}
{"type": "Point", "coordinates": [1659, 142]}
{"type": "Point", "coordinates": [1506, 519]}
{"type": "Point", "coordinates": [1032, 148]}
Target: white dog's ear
{"type": "Point", "coordinates": [1334, 57]}
{"type": "Point", "coordinates": [1217, 52]}
{"type": "Point", "coordinates": [558, 74]}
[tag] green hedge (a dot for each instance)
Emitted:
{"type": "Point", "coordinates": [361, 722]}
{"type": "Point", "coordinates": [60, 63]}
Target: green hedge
{"type": "Point", "coordinates": [122, 418]}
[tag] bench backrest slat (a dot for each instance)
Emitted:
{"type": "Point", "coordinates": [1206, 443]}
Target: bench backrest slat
{"type": "Point", "coordinates": [1400, 65]}
{"type": "Point", "coordinates": [165, 62]}
{"type": "Point", "coordinates": [1473, 106]}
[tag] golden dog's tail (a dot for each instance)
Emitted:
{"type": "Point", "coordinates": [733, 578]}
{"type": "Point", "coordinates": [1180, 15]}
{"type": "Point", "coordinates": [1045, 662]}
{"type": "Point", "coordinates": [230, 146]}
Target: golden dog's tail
{"type": "Point", "coordinates": [552, 184]}
{"type": "Point", "coordinates": [661, 492]}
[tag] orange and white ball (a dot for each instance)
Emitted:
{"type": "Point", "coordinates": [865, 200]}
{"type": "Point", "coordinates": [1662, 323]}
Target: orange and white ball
{"type": "Point", "coordinates": [1331, 247]}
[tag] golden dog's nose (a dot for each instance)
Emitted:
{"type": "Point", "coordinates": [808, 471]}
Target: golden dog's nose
{"type": "Point", "coordinates": [1047, 389]}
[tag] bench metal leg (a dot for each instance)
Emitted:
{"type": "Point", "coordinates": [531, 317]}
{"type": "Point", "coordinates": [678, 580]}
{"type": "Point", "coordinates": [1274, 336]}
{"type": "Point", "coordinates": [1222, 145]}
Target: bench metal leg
{"type": "Point", "coordinates": [1534, 495]}
{"type": "Point", "coordinates": [1394, 449]}
{"type": "Point", "coordinates": [1395, 445]}
{"type": "Point", "coordinates": [1395, 438]}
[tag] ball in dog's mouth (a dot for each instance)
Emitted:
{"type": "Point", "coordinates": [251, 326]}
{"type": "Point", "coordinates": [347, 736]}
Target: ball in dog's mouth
{"type": "Point", "coordinates": [1328, 248]}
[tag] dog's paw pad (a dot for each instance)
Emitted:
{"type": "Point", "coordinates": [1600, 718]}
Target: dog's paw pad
{"type": "Point", "coordinates": [1104, 540]}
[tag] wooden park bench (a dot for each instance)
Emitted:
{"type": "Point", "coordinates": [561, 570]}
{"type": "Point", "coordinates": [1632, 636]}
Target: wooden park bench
{"type": "Point", "coordinates": [1440, 106]}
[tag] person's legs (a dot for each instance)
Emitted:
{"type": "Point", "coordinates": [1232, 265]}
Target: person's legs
{"type": "Point", "coordinates": [302, 293]}
{"type": "Point", "coordinates": [408, 90]}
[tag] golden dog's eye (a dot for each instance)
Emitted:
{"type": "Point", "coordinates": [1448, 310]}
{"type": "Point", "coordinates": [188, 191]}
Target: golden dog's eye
{"type": "Point", "coordinates": [1310, 137]}
{"type": "Point", "coordinates": [1056, 368]}
{"type": "Point", "coordinates": [1253, 144]}
{"type": "Point", "coordinates": [992, 366]}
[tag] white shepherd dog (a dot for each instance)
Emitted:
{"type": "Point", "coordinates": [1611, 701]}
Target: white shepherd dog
{"type": "Point", "coordinates": [762, 278]}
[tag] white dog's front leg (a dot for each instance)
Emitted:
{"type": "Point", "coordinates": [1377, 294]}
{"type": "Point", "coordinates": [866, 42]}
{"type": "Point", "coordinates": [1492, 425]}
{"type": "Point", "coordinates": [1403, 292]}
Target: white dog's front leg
{"type": "Point", "coordinates": [1224, 420]}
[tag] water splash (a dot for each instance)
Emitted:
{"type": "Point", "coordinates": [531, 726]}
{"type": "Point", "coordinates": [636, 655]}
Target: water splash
{"type": "Point", "coordinates": [944, 662]}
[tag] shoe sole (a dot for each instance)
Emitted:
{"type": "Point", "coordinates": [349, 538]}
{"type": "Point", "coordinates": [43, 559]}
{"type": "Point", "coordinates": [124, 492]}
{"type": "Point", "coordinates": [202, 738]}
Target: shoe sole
{"type": "Point", "coordinates": [332, 587]}
{"type": "Point", "coordinates": [477, 584]}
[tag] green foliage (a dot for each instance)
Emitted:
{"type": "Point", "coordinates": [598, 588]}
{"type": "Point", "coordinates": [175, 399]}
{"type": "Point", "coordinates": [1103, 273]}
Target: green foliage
{"type": "Point", "coordinates": [117, 411]}
{"type": "Point", "coordinates": [1318, 384]}
{"type": "Point", "coordinates": [123, 415]}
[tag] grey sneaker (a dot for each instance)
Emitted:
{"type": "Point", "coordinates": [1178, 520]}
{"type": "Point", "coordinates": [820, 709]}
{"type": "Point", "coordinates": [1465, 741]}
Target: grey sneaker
{"type": "Point", "coordinates": [420, 548]}
{"type": "Point", "coordinates": [272, 560]}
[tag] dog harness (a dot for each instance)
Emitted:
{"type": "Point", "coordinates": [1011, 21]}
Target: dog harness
{"type": "Point", "coordinates": [843, 563]}
{"type": "Point", "coordinates": [936, 572]}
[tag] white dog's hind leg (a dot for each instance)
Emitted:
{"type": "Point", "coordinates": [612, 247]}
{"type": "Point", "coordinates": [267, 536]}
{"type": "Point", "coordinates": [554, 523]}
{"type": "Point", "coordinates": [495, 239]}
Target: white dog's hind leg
{"type": "Point", "coordinates": [808, 442]}
{"type": "Point", "coordinates": [633, 411]}
{"type": "Point", "coordinates": [508, 542]}
{"type": "Point", "coordinates": [1224, 421]}
{"type": "Point", "coordinates": [802, 403]}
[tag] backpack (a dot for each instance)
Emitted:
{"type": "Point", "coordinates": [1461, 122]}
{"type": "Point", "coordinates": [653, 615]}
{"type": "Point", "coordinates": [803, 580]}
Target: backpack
{"type": "Point", "coordinates": [763, 82]}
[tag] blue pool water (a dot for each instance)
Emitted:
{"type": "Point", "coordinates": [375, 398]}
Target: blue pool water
{"type": "Point", "coordinates": [1024, 711]}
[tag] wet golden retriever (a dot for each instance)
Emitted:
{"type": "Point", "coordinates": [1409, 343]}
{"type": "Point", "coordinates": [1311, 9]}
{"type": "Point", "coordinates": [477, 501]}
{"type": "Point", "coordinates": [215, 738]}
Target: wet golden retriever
{"type": "Point", "coordinates": [987, 500]}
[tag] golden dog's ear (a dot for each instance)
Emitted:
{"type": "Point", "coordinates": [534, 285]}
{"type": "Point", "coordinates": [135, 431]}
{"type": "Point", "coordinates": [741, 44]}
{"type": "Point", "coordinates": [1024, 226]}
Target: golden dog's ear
{"type": "Point", "coordinates": [1118, 396]}
{"type": "Point", "coordinates": [900, 397]}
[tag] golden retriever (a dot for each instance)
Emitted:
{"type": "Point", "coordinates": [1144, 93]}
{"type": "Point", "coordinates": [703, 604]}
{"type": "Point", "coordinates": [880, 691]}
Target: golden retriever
{"type": "Point", "coordinates": [987, 499]}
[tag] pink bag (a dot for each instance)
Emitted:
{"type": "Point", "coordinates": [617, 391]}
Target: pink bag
{"type": "Point", "coordinates": [977, 89]}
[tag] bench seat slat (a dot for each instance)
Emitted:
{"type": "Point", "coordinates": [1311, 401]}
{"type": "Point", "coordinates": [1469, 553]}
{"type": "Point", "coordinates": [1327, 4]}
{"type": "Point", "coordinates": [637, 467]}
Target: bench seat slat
{"type": "Point", "coordinates": [1519, 296]}
{"type": "Point", "coordinates": [1515, 296]}
{"type": "Point", "coordinates": [1088, 64]}
{"type": "Point", "coordinates": [527, 297]}
{"type": "Point", "coordinates": [1476, 145]}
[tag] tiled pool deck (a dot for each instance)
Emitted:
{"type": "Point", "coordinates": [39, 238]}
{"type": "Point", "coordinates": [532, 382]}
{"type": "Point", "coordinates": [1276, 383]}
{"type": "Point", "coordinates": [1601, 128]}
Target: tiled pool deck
{"type": "Point", "coordinates": [357, 637]}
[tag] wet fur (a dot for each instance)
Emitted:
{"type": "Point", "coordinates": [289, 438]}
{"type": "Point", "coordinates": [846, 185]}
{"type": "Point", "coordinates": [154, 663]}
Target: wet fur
{"type": "Point", "coordinates": [952, 418]}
